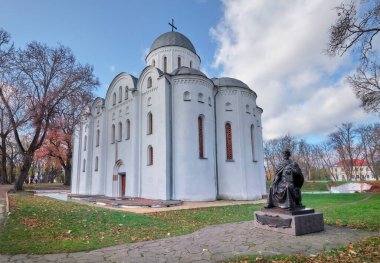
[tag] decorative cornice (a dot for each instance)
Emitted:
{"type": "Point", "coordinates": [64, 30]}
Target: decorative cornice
{"type": "Point", "coordinates": [150, 90]}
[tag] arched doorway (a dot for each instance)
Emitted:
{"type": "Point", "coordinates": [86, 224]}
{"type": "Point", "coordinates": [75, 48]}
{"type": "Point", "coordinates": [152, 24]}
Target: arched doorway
{"type": "Point", "coordinates": [120, 182]}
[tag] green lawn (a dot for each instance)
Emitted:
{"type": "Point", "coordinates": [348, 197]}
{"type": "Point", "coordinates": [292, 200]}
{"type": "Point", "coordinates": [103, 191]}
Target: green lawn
{"type": "Point", "coordinates": [45, 225]}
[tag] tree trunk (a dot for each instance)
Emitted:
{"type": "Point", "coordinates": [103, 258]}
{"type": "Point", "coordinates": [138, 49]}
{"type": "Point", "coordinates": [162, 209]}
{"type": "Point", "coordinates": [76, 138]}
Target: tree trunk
{"type": "Point", "coordinates": [3, 172]}
{"type": "Point", "coordinates": [68, 174]}
{"type": "Point", "coordinates": [26, 164]}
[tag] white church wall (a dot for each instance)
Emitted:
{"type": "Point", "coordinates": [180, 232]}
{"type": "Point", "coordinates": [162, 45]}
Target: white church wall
{"type": "Point", "coordinates": [172, 53]}
{"type": "Point", "coordinates": [194, 177]}
{"type": "Point", "coordinates": [75, 176]}
{"type": "Point", "coordinates": [153, 177]}
{"type": "Point", "coordinates": [236, 177]}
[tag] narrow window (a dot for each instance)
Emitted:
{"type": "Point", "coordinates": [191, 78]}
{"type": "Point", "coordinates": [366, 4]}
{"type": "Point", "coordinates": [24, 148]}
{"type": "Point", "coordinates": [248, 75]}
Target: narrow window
{"type": "Point", "coordinates": [128, 135]}
{"type": "Point", "coordinates": [149, 83]}
{"type": "Point", "coordinates": [179, 62]}
{"type": "Point", "coordinates": [96, 163]}
{"type": "Point", "coordinates": [97, 137]}
{"type": "Point", "coordinates": [126, 93]}
{"type": "Point", "coordinates": [253, 142]}
{"type": "Point", "coordinates": [165, 64]}
{"type": "Point", "coordinates": [84, 165]}
{"type": "Point", "coordinates": [200, 136]}
{"type": "Point", "coordinates": [149, 101]}
{"type": "Point", "coordinates": [209, 101]}
{"type": "Point", "coordinates": [113, 134]}
{"type": "Point", "coordinates": [114, 99]}
{"type": "Point", "coordinates": [150, 155]}
{"type": "Point", "coordinates": [149, 123]}
{"type": "Point", "coordinates": [200, 97]}
{"type": "Point", "coordinates": [229, 141]}
{"type": "Point", "coordinates": [153, 63]}
{"type": "Point", "coordinates": [120, 94]}
{"type": "Point", "coordinates": [228, 106]}
{"type": "Point", "coordinates": [191, 64]}
{"type": "Point", "coordinates": [186, 96]}
{"type": "Point", "coordinates": [85, 143]}
{"type": "Point", "coordinates": [120, 132]}
{"type": "Point", "coordinates": [247, 109]}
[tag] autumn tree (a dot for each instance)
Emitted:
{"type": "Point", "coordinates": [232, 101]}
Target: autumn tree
{"type": "Point", "coordinates": [58, 143]}
{"type": "Point", "coordinates": [46, 77]}
{"type": "Point", "coordinates": [356, 29]}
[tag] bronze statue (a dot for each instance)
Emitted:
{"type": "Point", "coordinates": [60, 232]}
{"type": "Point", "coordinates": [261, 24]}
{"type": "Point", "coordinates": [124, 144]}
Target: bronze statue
{"type": "Point", "coordinates": [285, 190]}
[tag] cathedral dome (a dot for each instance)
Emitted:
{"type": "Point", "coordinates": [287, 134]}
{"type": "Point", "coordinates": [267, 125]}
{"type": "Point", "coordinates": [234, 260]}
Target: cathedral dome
{"type": "Point", "coordinates": [188, 71]}
{"type": "Point", "coordinates": [229, 82]}
{"type": "Point", "coordinates": [172, 39]}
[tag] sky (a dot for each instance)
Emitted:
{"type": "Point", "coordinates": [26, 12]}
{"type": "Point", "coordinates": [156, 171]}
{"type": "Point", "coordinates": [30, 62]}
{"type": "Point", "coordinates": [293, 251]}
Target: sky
{"type": "Point", "coordinates": [274, 46]}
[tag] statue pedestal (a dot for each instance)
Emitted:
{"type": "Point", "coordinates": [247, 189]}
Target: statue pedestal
{"type": "Point", "coordinates": [293, 222]}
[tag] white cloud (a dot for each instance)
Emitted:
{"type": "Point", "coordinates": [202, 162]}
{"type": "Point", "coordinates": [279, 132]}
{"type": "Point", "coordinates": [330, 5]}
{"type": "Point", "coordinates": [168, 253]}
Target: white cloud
{"type": "Point", "coordinates": [277, 48]}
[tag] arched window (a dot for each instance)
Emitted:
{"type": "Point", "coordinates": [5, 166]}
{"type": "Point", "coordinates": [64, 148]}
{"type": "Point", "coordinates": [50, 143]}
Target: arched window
{"type": "Point", "coordinates": [149, 101]}
{"type": "Point", "coordinates": [200, 97]}
{"type": "Point", "coordinates": [120, 132]}
{"type": "Point", "coordinates": [84, 165]}
{"type": "Point", "coordinates": [113, 134]}
{"type": "Point", "coordinates": [165, 64]}
{"type": "Point", "coordinates": [128, 135]}
{"type": "Point", "coordinates": [96, 163]}
{"type": "Point", "coordinates": [126, 93]}
{"type": "Point", "coordinates": [229, 141]}
{"type": "Point", "coordinates": [247, 109]}
{"type": "Point", "coordinates": [97, 137]}
{"type": "Point", "coordinates": [114, 99]}
{"type": "Point", "coordinates": [253, 142]}
{"type": "Point", "coordinates": [186, 96]}
{"type": "Point", "coordinates": [228, 106]}
{"type": "Point", "coordinates": [201, 136]}
{"type": "Point", "coordinates": [153, 63]}
{"type": "Point", "coordinates": [209, 101]}
{"type": "Point", "coordinates": [179, 62]}
{"type": "Point", "coordinates": [149, 123]}
{"type": "Point", "coordinates": [150, 155]}
{"type": "Point", "coordinates": [191, 64]}
{"type": "Point", "coordinates": [85, 143]}
{"type": "Point", "coordinates": [120, 94]}
{"type": "Point", "coordinates": [149, 83]}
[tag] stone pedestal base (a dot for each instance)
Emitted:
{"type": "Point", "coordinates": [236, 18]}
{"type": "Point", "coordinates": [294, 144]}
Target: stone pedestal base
{"type": "Point", "coordinates": [295, 225]}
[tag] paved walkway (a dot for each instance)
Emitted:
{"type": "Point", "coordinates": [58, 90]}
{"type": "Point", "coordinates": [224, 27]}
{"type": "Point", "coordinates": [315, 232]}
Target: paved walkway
{"type": "Point", "coordinates": [209, 244]}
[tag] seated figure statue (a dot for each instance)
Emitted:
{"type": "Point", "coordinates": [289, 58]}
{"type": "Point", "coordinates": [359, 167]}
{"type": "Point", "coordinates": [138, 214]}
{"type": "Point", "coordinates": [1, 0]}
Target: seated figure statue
{"type": "Point", "coordinates": [285, 190]}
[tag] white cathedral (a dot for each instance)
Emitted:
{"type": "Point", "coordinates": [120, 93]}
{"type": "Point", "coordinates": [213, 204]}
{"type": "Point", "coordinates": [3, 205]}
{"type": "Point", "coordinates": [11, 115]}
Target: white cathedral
{"type": "Point", "coordinates": [171, 134]}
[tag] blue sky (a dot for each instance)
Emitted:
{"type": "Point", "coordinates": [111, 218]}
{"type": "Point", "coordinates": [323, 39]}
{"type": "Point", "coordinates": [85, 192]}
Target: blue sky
{"type": "Point", "coordinates": [275, 46]}
{"type": "Point", "coordinates": [111, 35]}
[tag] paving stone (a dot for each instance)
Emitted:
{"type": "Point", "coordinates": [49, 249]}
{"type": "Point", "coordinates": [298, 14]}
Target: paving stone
{"type": "Point", "coordinates": [212, 243]}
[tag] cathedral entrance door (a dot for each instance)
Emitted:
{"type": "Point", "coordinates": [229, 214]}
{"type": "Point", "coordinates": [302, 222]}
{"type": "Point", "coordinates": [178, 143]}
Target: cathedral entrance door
{"type": "Point", "coordinates": [123, 181]}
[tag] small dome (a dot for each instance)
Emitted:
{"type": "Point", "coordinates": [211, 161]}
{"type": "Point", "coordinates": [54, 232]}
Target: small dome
{"type": "Point", "coordinates": [187, 71]}
{"type": "Point", "coordinates": [172, 39]}
{"type": "Point", "coordinates": [229, 82]}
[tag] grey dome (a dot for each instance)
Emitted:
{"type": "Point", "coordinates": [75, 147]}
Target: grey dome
{"type": "Point", "coordinates": [229, 82]}
{"type": "Point", "coordinates": [187, 71]}
{"type": "Point", "coordinates": [172, 39]}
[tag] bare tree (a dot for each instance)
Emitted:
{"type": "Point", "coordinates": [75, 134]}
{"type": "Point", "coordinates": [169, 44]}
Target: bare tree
{"type": "Point", "coordinates": [6, 58]}
{"type": "Point", "coordinates": [342, 141]}
{"type": "Point", "coordinates": [46, 77]}
{"type": "Point", "coordinates": [370, 142]}
{"type": "Point", "coordinates": [356, 29]}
